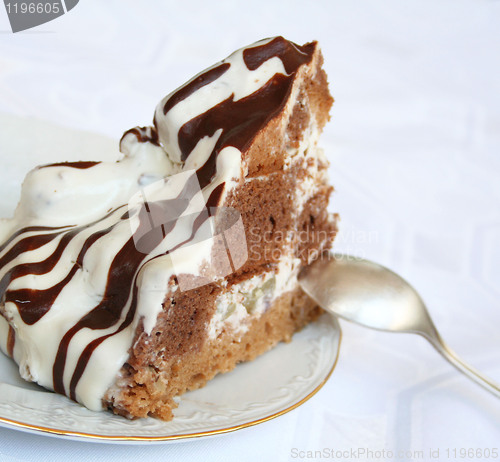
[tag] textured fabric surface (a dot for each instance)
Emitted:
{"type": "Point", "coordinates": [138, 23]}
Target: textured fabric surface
{"type": "Point", "coordinates": [414, 146]}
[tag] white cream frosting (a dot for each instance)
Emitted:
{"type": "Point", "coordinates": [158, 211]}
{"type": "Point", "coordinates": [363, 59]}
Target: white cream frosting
{"type": "Point", "coordinates": [80, 198]}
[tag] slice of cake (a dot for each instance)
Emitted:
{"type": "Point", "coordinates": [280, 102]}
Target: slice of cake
{"type": "Point", "coordinates": [122, 285]}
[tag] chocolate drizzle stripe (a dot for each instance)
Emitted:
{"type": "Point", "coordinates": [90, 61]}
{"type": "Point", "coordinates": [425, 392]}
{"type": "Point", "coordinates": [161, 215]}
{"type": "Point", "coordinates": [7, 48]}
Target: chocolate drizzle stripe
{"type": "Point", "coordinates": [26, 245]}
{"type": "Point", "coordinates": [42, 267]}
{"type": "Point", "coordinates": [31, 229]}
{"type": "Point", "coordinates": [82, 165]}
{"type": "Point", "coordinates": [34, 304]}
{"type": "Point", "coordinates": [90, 348]}
{"type": "Point", "coordinates": [143, 135]}
{"type": "Point", "coordinates": [215, 196]}
{"type": "Point", "coordinates": [37, 268]}
{"type": "Point", "coordinates": [11, 341]}
{"type": "Point", "coordinates": [291, 54]}
{"type": "Point", "coordinates": [199, 82]}
{"type": "Point", "coordinates": [58, 386]}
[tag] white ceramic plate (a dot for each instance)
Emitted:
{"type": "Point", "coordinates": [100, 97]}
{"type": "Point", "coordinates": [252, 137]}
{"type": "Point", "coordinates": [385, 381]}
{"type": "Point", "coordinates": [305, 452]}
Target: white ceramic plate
{"type": "Point", "coordinates": [252, 393]}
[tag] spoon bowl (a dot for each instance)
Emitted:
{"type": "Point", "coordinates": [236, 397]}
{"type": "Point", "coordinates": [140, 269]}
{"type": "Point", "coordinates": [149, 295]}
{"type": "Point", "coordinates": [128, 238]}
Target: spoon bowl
{"type": "Point", "coordinates": [373, 296]}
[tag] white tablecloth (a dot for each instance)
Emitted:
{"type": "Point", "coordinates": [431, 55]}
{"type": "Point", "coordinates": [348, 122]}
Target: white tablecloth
{"type": "Point", "coordinates": [414, 145]}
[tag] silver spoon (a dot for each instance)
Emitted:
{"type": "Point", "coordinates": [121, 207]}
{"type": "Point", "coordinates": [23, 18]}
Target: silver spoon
{"type": "Point", "coordinates": [371, 295]}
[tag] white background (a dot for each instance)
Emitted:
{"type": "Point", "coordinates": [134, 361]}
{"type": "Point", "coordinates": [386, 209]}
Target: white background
{"type": "Point", "coordinates": [414, 146]}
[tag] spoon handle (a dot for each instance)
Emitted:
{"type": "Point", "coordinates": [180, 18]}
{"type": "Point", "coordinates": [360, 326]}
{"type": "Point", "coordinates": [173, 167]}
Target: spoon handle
{"type": "Point", "coordinates": [469, 371]}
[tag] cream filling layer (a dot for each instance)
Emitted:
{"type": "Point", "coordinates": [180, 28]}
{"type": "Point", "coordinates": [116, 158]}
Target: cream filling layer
{"type": "Point", "coordinates": [248, 300]}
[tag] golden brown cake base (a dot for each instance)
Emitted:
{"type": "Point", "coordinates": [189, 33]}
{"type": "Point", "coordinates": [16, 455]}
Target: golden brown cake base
{"type": "Point", "coordinates": [289, 313]}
